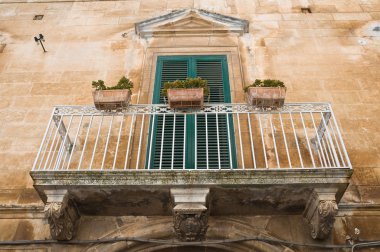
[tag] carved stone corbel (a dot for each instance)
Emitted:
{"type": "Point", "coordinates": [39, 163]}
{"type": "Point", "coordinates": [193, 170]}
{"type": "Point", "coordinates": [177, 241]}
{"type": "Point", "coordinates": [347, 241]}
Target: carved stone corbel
{"type": "Point", "coordinates": [320, 212]}
{"type": "Point", "coordinates": [190, 214]}
{"type": "Point", "coordinates": [190, 222]}
{"type": "Point", "coordinates": [62, 214]}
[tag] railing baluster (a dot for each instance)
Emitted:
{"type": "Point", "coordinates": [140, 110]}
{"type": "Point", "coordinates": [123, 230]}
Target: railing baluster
{"type": "Point", "coordinates": [331, 144]}
{"type": "Point", "coordinates": [217, 139]}
{"type": "Point", "coordinates": [251, 140]}
{"type": "Point", "coordinates": [274, 141]}
{"type": "Point", "coordinates": [327, 153]}
{"type": "Point", "coordinates": [96, 142]}
{"type": "Point", "coordinates": [337, 144]}
{"type": "Point", "coordinates": [229, 140]}
{"type": "Point", "coordinates": [285, 141]}
{"type": "Point", "coordinates": [63, 145]}
{"type": "Point", "coordinates": [129, 141]}
{"type": "Point", "coordinates": [321, 133]}
{"type": "Point", "coordinates": [307, 140]}
{"type": "Point", "coordinates": [107, 142]}
{"type": "Point", "coordinates": [295, 136]}
{"type": "Point", "coordinates": [207, 165]}
{"type": "Point", "coordinates": [53, 143]}
{"type": "Point", "coordinates": [85, 142]}
{"type": "Point", "coordinates": [318, 145]}
{"type": "Point", "coordinates": [162, 140]}
{"type": "Point", "coordinates": [140, 142]}
{"type": "Point", "coordinates": [241, 143]}
{"type": "Point", "coordinates": [173, 142]}
{"type": "Point", "coordinates": [184, 142]}
{"type": "Point", "coordinates": [75, 141]}
{"type": "Point", "coordinates": [196, 142]}
{"type": "Point", "coordinates": [118, 141]}
{"type": "Point", "coordinates": [44, 143]}
{"type": "Point", "coordinates": [341, 139]}
{"type": "Point", "coordinates": [263, 142]}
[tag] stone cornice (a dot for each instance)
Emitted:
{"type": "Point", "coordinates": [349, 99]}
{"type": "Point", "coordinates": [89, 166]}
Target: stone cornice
{"type": "Point", "coordinates": [191, 177]}
{"type": "Point", "coordinates": [19, 211]}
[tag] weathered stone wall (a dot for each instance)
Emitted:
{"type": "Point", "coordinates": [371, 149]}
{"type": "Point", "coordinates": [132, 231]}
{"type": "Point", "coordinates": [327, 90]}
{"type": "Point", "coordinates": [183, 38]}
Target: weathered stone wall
{"type": "Point", "coordinates": [331, 54]}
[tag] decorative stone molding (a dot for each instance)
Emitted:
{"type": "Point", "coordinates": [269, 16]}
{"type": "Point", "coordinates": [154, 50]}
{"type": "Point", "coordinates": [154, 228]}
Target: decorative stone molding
{"type": "Point", "coordinates": [320, 212]}
{"type": "Point", "coordinates": [190, 222]}
{"type": "Point", "coordinates": [191, 22]}
{"type": "Point", "coordinates": [62, 214]}
{"type": "Point", "coordinates": [190, 214]}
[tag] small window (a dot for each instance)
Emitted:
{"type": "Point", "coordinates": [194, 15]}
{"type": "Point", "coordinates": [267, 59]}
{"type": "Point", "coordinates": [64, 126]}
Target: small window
{"type": "Point", "coordinates": [306, 10]}
{"type": "Point", "coordinates": [38, 17]}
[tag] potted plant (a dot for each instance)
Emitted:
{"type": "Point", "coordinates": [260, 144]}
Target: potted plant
{"type": "Point", "coordinates": [187, 93]}
{"type": "Point", "coordinates": [266, 93]}
{"type": "Point", "coordinates": [112, 98]}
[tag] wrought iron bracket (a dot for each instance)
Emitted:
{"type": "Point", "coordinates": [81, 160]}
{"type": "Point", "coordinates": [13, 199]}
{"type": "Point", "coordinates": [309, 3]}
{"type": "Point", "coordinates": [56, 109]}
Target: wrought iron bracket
{"type": "Point", "coordinates": [62, 214]}
{"type": "Point", "coordinates": [190, 213]}
{"type": "Point", "coordinates": [320, 212]}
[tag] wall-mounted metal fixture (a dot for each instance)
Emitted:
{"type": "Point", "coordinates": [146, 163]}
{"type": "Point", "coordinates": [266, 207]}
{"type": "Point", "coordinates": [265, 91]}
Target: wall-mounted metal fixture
{"type": "Point", "coordinates": [40, 39]}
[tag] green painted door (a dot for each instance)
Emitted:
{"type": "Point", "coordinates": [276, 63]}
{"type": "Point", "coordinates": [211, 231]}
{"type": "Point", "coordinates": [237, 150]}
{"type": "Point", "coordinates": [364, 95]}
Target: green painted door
{"type": "Point", "coordinates": [192, 141]}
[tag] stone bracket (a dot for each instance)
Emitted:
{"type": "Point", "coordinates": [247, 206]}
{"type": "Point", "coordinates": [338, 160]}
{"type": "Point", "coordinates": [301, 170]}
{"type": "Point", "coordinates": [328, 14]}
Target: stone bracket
{"type": "Point", "coordinates": [320, 212]}
{"type": "Point", "coordinates": [190, 213]}
{"type": "Point", "coordinates": [62, 214]}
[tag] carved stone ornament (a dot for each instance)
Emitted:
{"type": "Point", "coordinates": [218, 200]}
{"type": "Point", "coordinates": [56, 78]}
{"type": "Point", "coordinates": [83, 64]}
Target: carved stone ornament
{"type": "Point", "coordinates": [190, 213]}
{"type": "Point", "coordinates": [324, 219]}
{"type": "Point", "coordinates": [320, 213]}
{"type": "Point", "coordinates": [62, 217]}
{"type": "Point", "coordinates": [190, 227]}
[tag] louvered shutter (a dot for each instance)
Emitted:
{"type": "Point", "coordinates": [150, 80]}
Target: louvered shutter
{"type": "Point", "coordinates": [212, 132]}
{"type": "Point", "coordinates": [208, 135]}
{"type": "Point", "coordinates": [166, 149]}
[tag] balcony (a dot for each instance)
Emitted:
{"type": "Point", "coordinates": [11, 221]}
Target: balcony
{"type": "Point", "coordinates": [152, 160]}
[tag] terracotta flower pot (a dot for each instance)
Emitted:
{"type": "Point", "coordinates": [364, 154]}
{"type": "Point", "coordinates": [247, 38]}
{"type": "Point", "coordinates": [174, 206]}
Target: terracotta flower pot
{"type": "Point", "coordinates": [111, 99]}
{"type": "Point", "coordinates": [185, 97]}
{"type": "Point", "coordinates": [273, 97]}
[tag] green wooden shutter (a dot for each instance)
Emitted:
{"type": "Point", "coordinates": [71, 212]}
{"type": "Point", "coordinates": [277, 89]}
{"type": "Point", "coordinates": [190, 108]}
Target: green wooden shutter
{"type": "Point", "coordinates": [215, 72]}
{"type": "Point", "coordinates": [168, 70]}
{"type": "Point", "coordinates": [213, 69]}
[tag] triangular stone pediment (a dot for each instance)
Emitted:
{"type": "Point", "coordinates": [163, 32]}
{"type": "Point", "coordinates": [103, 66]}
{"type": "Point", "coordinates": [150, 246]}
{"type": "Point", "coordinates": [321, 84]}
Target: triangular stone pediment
{"type": "Point", "coordinates": [191, 22]}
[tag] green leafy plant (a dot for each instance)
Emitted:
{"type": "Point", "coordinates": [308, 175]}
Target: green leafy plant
{"type": "Point", "coordinates": [265, 83]}
{"type": "Point", "coordinates": [124, 83]}
{"type": "Point", "coordinates": [197, 82]}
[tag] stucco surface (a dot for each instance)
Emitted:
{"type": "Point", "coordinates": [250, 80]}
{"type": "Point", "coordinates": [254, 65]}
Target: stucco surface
{"type": "Point", "coordinates": [329, 55]}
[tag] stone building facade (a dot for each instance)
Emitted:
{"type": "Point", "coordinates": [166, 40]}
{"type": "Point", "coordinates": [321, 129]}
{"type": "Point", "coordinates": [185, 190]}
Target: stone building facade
{"type": "Point", "coordinates": [325, 51]}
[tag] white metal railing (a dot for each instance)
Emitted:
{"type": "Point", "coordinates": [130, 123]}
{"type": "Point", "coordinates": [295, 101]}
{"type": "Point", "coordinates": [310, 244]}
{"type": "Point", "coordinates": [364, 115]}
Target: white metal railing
{"type": "Point", "coordinates": [225, 136]}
